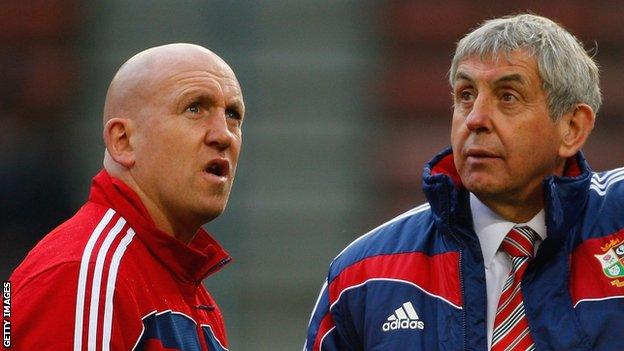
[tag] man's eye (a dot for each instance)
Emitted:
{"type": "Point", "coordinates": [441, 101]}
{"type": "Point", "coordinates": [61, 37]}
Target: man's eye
{"type": "Point", "coordinates": [233, 114]}
{"type": "Point", "coordinates": [508, 97]}
{"type": "Point", "coordinates": [465, 96]}
{"type": "Point", "coordinates": [193, 108]}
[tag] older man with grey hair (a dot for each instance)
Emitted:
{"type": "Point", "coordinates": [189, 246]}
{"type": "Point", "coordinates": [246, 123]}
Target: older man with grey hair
{"type": "Point", "coordinates": [521, 245]}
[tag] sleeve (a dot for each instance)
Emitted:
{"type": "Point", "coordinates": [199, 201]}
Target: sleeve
{"type": "Point", "coordinates": [51, 312]}
{"type": "Point", "coordinates": [324, 330]}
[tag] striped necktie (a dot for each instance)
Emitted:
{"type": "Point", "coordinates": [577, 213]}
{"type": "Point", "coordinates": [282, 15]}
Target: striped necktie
{"type": "Point", "coordinates": [511, 326]}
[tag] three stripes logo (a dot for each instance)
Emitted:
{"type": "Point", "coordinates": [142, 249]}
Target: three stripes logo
{"type": "Point", "coordinates": [601, 182]}
{"type": "Point", "coordinates": [404, 317]}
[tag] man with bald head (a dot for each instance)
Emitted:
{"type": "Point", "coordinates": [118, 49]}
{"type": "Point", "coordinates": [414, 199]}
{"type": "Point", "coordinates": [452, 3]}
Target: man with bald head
{"type": "Point", "coordinates": [125, 272]}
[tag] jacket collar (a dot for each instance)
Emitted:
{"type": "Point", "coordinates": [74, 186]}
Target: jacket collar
{"type": "Point", "coordinates": [189, 263]}
{"type": "Point", "coordinates": [565, 197]}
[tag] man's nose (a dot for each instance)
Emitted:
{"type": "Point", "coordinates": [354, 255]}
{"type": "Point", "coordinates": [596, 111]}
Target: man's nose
{"type": "Point", "coordinates": [479, 118]}
{"type": "Point", "coordinates": [218, 133]}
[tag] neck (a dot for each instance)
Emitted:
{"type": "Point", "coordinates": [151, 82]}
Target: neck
{"type": "Point", "coordinates": [515, 209]}
{"type": "Point", "coordinates": [184, 233]}
{"type": "Point", "coordinates": [513, 213]}
{"type": "Point", "coordinates": [520, 206]}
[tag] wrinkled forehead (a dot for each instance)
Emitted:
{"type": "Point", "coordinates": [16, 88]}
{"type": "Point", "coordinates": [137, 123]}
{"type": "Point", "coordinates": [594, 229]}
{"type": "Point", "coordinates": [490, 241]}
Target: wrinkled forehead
{"type": "Point", "coordinates": [520, 59]}
{"type": "Point", "coordinates": [157, 75]}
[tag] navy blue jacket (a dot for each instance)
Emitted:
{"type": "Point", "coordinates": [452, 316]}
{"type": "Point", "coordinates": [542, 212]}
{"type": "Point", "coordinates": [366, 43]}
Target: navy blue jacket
{"type": "Point", "coordinates": [417, 282]}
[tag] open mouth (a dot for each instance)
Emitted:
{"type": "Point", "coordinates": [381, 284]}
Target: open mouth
{"type": "Point", "coordinates": [218, 167]}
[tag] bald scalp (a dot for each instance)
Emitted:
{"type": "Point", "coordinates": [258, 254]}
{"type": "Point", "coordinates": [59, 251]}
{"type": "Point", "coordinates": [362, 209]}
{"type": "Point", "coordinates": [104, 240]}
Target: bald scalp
{"type": "Point", "coordinates": [136, 79]}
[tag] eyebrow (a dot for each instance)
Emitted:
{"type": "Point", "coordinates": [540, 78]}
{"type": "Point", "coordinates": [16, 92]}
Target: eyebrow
{"type": "Point", "coordinates": [461, 75]}
{"type": "Point", "coordinates": [511, 78]}
{"type": "Point", "coordinates": [237, 104]}
{"type": "Point", "coordinates": [194, 93]}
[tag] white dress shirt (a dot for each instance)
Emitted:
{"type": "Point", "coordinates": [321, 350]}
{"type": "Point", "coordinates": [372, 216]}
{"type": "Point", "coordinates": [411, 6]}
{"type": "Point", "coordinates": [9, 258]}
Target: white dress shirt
{"type": "Point", "coordinates": [491, 230]}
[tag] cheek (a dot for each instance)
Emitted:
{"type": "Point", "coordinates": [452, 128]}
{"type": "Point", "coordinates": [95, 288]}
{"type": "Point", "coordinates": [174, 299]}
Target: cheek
{"type": "Point", "coordinates": [533, 151]}
{"type": "Point", "coordinates": [235, 149]}
{"type": "Point", "coordinates": [458, 133]}
{"type": "Point", "coordinates": [535, 139]}
{"type": "Point", "coordinates": [170, 158]}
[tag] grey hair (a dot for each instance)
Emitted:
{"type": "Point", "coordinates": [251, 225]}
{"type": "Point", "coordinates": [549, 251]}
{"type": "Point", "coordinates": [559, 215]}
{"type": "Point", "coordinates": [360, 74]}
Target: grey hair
{"type": "Point", "coordinates": [569, 75]}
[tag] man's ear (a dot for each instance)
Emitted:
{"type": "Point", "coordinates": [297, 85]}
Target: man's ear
{"type": "Point", "coordinates": [117, 135]}
{"type": "Point", "coordinates": [575, 127]}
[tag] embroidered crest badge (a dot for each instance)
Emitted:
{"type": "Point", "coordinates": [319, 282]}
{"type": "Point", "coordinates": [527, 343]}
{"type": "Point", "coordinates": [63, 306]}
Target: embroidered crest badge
{"type": "Point", "coordinates": [612, 261]}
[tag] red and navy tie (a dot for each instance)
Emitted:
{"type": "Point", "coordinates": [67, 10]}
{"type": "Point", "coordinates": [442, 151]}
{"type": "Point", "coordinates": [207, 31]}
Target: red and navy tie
{"type": "Point", "coordinates": [511, 327]}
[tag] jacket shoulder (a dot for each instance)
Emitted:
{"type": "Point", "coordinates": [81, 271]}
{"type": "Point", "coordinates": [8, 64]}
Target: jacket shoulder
{"type": "Point", "coordinates": [608, 185]}
{"type": "Point", "coordinates": [404, 233]}
{"type": "Point", "coordinates": [605, 205]}
{"type": "Point", "coordinates": [64, 245]}
{"type": "Point", "coordinates": [606, 196]}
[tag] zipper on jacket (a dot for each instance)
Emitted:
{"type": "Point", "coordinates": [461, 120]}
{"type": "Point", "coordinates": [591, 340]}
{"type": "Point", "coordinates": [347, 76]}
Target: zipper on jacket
{"type": "Point", "coordinates": [218, 265]}
{"type": "Point", "coordinates": [461, 288]}
{"type": "Point", "coordinates": [208, 308]}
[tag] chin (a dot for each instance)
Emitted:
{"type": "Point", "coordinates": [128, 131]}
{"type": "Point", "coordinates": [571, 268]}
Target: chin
{"type": "Point", "coordinates": [480, 185]}
{"type": "Point", "coordinates": [209, 213]}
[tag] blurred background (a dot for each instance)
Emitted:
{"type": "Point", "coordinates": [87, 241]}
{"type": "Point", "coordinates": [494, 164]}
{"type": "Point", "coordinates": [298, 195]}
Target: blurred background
{"type": "Point", "coordinates": [346, 100]}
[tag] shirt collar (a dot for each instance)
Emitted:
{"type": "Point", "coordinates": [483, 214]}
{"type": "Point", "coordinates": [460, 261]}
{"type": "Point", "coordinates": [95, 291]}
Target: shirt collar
{"type": "Point", "coordinates": [491, 228]}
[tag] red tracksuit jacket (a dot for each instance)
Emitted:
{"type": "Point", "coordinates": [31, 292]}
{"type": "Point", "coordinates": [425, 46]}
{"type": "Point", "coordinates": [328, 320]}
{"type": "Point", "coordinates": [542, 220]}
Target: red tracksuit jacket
{"type": "Point", "coordinates": [107, 279]}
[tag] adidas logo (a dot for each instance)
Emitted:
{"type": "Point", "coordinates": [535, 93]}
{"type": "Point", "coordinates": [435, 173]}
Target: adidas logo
{"type": "Point", "coordinates": [404, 317]}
